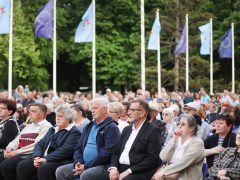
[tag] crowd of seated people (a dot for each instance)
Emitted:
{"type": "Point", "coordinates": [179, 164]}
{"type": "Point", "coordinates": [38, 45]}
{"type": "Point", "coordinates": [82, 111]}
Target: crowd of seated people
{"type": "Point", "coordinates": [116, 137]}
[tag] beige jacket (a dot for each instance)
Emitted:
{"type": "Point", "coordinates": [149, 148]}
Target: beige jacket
{"type": "Point", "coordinates": [190, 166]}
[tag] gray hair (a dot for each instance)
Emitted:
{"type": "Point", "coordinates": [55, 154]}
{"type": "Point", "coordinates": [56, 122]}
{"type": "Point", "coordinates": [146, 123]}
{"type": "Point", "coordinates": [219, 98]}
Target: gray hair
{"type": "Point", "coordinates": [169, 111]}
{"type": "Point", "coordinates": [116, 106]}
{"type": "Point", "coordinates": [103, 102]}
{"type": "Point", "coordinates": [192, 122]}
{"type": "Point", "coordinates": [67, 113]}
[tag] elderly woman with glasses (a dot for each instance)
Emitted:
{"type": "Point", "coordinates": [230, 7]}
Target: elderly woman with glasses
{"type": "Point", "coordinates": [115, 110]}
{"type": "Point", "coordinates": [53, 150]}
{"type": "Point", "coordinates": [183, 154]}
{"type": "Point", "coordinates": [8, 126]}
{"type": "Point", "coordinates": [228, 165]}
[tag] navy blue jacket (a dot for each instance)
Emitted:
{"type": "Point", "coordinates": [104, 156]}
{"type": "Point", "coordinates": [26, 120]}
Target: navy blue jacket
{"type": "Point", "coordinates": [62, 145]}
{"type": "Point", "coordinates": [108, 138]}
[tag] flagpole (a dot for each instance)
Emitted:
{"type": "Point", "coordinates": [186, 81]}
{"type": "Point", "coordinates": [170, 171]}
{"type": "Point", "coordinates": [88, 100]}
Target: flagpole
{"type": "Point", "coordinates": [187, 56]}
{"type": "Point", "coordinates": [211, 58]}
{"type": "Point", "coordinates": [94, 54]}
{"type": "Point", "coordinates": [10, 52]}
{"type": "Point", "coordinates": [159, 60]}
{"type": "Point", "coordinates": [233, 61]}
{"type": "Point", "coordinates": [54, 48]}
{"type": "Point", "coordinates": [142, 47]}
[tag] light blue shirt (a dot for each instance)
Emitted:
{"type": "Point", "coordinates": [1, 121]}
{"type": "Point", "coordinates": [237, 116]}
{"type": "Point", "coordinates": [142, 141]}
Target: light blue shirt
{"type": "Point", "coordinates": [90, 151]}
{"type": "Point", "coordinates": [205, 99]}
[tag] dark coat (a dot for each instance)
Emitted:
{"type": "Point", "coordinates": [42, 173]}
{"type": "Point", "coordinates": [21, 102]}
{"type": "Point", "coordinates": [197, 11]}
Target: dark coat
{"type": "Point", "coordinates": [144, 153]}
{"type": "Point", "coordinates": [62, 145]}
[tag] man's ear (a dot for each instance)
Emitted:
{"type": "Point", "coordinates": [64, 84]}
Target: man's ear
{"type": "Point", "coordinates": [106, 109]}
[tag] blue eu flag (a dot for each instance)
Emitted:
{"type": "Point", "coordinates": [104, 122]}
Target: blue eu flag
{"type": "Point", "coordinates": [44, 21]}
{"type": "Point", "coordinates": [226, 45]}
{"type": "Point", "coordinates": [181, 46]}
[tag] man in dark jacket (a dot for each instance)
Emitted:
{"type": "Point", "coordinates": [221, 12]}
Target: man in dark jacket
{"type": "Point", "coordinates": [97, 143]}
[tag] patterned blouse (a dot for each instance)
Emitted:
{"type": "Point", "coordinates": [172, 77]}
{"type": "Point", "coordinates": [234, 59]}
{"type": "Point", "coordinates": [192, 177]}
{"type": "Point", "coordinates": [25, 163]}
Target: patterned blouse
{"type": "Point", "coordinates": [229, 159]}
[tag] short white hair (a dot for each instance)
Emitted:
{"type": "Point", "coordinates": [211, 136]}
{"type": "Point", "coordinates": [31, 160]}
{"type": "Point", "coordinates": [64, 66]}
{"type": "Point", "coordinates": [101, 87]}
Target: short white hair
{"type": "Point", "coordinates": [116, 106]}
{"type": "Point", "coordinates": [175, 107]}
{"type": "Point", "coordinates": [102, 101]}
{"type": "Point", "coordinates": [169, 111]}
{"type": "Point", "coordinates": [67, 113]}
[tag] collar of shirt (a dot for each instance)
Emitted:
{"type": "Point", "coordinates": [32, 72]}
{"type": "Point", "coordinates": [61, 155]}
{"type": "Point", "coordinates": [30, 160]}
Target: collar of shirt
{"type": "Point", "coordinates": [185, 143]}
{"type": "Point", "coordinates": [40, 123]}
{"type": "Point", "coordinates": [67, 128]}
{"type": "Point", "coordinates": [138, 129]}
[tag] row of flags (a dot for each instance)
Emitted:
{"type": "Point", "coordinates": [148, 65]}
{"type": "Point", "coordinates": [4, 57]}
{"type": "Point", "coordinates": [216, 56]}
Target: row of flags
{"type": "Point", "coordinates": [44, 28]}
{"type": "Point", "coordinates": [225, 45]}
{"type": "Point", "coordinates": [44, 22]}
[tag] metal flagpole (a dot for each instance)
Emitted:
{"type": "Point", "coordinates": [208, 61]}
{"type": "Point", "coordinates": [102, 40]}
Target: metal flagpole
{"type": "Point", "coordinates": [10, 52]}
{"type": "Point", "coordinates": [159, 60]}
{"type": "Point", "coordinates": [211, 58]}
{"type": "Point", "coordinates": [54, 48]}
{"type": "Point", "coordinates": [94, 54]}
{"type": "Point", "coordinates": [187, 56]}
{"type": "Point", "coordinates": [233, 61]}
{"type": "Point", "coordinates": [142, 47]}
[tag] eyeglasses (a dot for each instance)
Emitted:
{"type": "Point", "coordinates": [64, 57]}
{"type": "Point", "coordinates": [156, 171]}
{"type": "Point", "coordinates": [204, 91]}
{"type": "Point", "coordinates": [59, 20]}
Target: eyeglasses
{"type": "Point", "coordinates": [113, 112]}
{"type": "Point", "coordinates": [132, 109]}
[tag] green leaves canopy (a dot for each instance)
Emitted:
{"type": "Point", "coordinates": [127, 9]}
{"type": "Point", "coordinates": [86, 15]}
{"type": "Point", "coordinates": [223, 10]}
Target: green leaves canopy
{"type": "Point", "coordinates": [118, 45]}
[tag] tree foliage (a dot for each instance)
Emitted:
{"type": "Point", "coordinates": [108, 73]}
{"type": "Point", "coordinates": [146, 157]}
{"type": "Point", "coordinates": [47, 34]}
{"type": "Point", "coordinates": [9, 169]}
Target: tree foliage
{"type": "Point", "coordinates": [118, 45]}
